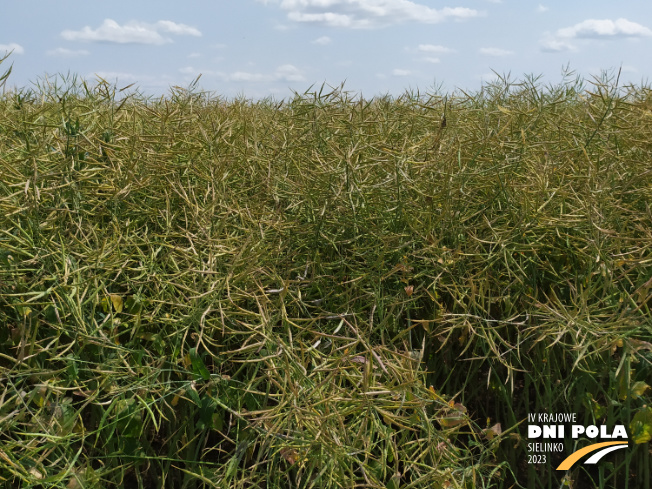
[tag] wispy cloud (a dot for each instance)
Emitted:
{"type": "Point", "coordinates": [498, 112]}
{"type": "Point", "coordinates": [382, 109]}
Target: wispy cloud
{"type": "Point", "coordinates": [132, 32]}
{"type": "Point", "coordinates": [554, 45]}
{"type": "Point", "coordinates": [495, 52]}
{"type": "Point", "coordinates": [366, 14]}
{"type": "Point", "coordinates": [323, 40]}
{"type": "Point", "coordinates": [289, 73]}
{"type": "Point", "coordinates": [117, 75]}
{"type": "Point", "coordinates": [283, 73]}
{"type": "Point", "coordinates": [434, 49]}
{"type": "Point", "coordinates": [542, 8]}
{"type": "Point", "coordinates": [604, 29]}
{"type": "Point", "coordinates": [67, 53]}
{"type": "Point", "coordinates": [178, 29]}
{"type": "Point", "coordinates": [400, 72]}
{"type": "Point", "coordinates": [158, 81]}
{"type": "Point", "coordinates": [16, 48]}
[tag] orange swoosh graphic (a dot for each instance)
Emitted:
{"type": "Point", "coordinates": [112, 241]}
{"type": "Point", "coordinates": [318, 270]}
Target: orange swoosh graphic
{"type": "Point", "coordinates": [575, 456]}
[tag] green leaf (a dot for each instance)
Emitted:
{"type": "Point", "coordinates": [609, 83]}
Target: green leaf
{"type": "Point", "coordinates": [116, 300]}
{"type": "Point", "coordinates": [194, 395]}
{"type": "Point", "coordinates": [50, 314]}
{"type": "Point", "coordinates": [73, 367]}
{"type": "Point", "coordinates": [638, 389]}
{"type": "Point", "coordinates": [393, 483]}
{"type": "Point", "coordinates": [641, 426]}
{"type": "Point", "coordinates": [251, 401]}
{"type": "Point", "coordinates": [206, 411]}
{"type": "Point", "coordinates": [594, 406]}
{"type": "Point", "coordinates": [390, 454]}
{"type": "Point", "coordinates": [198, 366]}
{"type": "Point", "coordinates": [133, 305]}
{"type": "Point", "coordinates": [217, 421]}
{"type": "Point", "coordinates": [112, 300]}
{"type": "Point", "coordinates": [129, 418]}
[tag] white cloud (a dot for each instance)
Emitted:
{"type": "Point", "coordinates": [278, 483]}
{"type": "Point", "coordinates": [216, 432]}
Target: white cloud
{"type": "Point", "coordinates": [178, 29]}
{"type": "Point", "coordinates": [16, 48]}
{"type": "Point", "coordinates": [553, 45]}
{"type": "Point", "coordinates": [593, 28]}
{"type": "Point", "coordinates": [194, 72]}
{"type": "Point", "coordinates": [131, 33]}
{"type": "Point", "coordinates": [430, 59]}
{"type": "Point", "coordinates": [495, 52]}
{"type": "Point", "coordinates": [361, 14]}
{"type": "Point", "coordinates": [116, 75]}
{"type": "Point", "coordinates": [67, 53]}
{"type": "Point", "coordinates": [328, 18]}
{"type": "Point", "coordinates": [435, 49]}
{"type": "Point", "coordinates": [399, 72]}
{"type": "Point", "coordinates": [289, 73]}
{"type": "Point", "coordinates": [542, 8]}
{"type": "Point", "coordinates": [153, 81]}
{"type": "Point", "coordinates": [323, 40]}
{"type": "Point", "coordinates": [247, 77]}
{"type": "Point", "coordinates": [283, 73]}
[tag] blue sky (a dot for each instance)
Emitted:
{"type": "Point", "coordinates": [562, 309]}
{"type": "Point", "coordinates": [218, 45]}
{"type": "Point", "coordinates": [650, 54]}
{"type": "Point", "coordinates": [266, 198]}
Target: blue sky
{"type": "Point", "coordinates": [259, 48]}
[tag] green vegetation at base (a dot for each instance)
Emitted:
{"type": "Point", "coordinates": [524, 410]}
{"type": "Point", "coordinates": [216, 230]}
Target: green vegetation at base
{"type": "Point", "coordinates": [322, 292]}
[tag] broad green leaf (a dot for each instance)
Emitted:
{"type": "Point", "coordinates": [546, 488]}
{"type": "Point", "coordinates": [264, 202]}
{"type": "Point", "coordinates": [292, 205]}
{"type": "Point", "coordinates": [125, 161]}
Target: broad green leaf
{"type": "Point", "coordinates": [50, 314]}
{"type": "Point", "coordinates": [23, 311]}
{"type": "Point", "coordinates": [393, 484]}
{"type": "Point", "coordinates": [641, 426]}
{"type": "Point", "coordinates": [116, 300]}
{"type": "Point", "coordinates": [133, 305]}
{"type": "Point", "coordinates": [198, 366]}
{"type": "Point", "coordinates": [217, 421]}
{"type": "Point", "coordinates": [194, 395]}
{"type": "Point", "coordinates": [39, 395]}
{"type": "Point", "coordinates": [638, 389]}
{"type": "Point", "coordinates": [598, 410]}
{"type": "Point", "coordinates": [206, 411]}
